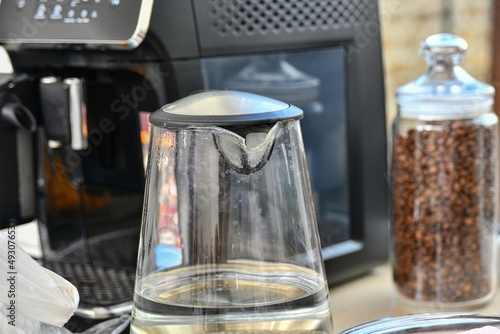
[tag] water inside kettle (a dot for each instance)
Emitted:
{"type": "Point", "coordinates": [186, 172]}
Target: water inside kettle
{"type": "Point", "coordinates": [234, 298]}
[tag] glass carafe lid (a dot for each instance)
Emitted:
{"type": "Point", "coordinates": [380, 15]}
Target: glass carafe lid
{"type": "Point", "coordinates": [224, 108]}
{"type": "Point", "coordinates": [445, 90]}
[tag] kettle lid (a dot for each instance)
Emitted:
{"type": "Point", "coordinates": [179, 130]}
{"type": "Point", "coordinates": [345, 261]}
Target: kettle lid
{"type": "Point", "coordinates": [224, 108]}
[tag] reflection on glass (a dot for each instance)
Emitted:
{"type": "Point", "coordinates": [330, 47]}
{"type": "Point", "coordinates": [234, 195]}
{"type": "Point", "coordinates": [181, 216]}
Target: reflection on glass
{"type": "Point", "coordinates": [314, 82]}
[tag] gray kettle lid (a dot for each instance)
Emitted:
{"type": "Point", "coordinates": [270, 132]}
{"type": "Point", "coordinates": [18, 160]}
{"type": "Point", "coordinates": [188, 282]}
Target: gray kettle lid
{"type": "Point", "coordinates": [224, 108]}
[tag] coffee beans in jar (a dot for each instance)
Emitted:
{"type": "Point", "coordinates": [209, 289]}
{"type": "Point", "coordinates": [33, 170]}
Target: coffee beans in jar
{"type": "Point", "coordinates": [444, 197]}
{"type": "Point", "coordinates": [444, 183]}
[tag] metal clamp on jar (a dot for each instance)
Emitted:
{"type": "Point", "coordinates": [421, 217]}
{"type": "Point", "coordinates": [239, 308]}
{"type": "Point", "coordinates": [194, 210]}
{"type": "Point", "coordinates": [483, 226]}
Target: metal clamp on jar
{"type": "Point", "coordinates": [444, 183]}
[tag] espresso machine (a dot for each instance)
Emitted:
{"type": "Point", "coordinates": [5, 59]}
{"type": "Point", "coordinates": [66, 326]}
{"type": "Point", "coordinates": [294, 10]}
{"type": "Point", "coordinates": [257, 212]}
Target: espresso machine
{"type": "Point", "coordinates": [79, 78]}
{"type": "Point", "coordinates": [71, 108]}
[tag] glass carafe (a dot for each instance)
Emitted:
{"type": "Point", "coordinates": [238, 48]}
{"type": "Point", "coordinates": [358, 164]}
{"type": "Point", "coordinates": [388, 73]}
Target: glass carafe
{"type": "Point", "coordinates": [229, 241]}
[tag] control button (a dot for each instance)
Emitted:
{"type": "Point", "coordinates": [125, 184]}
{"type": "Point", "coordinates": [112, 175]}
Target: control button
{"type": "Point", "coordinates": [20, 4]}
{"type": "Point", "coordinates": [70, 16]}
{"type": "Point", "coordinates": [74, 3]}
{"type": "Point", "coordinates": [56, 13]}
{"type": "Point", "coordinates": [94, 14]}
{"type": "Point", "coordinates": [83, 17]}
{"type": "Point", "coordinates": [40, 12]}
{"type": "Point", "coordinates": [97, 1]}
{"type": "Point", "coordinates": [114, 2]}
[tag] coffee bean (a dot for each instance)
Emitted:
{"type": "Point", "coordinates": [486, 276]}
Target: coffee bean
{"type": "Point", "coordinates": [444, 185]}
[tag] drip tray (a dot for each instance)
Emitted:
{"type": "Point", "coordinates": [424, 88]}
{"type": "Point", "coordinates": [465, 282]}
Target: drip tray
{"type": "Point", "coordinates": [106, 290]}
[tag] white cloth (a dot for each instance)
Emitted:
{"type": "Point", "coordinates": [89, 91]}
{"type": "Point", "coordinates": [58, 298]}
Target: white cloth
{"type": "Point", "coordinates": [38, 293]}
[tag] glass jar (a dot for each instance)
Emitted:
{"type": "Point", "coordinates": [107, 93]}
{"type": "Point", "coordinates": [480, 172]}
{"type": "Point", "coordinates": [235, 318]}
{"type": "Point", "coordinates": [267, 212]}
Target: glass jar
{"type": "Point", "coordinates": [444, 183]}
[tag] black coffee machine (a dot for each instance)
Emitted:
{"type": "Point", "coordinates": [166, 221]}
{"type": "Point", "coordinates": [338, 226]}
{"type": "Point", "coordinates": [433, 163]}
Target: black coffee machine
{"type": "Point", "coordinates": [74, 130]}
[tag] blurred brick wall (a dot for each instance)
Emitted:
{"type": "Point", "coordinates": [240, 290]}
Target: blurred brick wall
{"type": "Point", "coordinates": [406, 23]}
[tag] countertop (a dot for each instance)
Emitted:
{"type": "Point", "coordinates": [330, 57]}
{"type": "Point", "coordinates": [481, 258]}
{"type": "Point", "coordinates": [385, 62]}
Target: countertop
{"type": "Point", "coordinates": [372, 297]}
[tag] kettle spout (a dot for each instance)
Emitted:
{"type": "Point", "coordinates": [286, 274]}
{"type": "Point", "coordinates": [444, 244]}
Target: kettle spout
{"type": "Point", "coordinates": [247, 149]}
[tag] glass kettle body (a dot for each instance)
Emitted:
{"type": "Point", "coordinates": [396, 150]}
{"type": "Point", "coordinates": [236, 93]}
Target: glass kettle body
{"type": "Point", "coordinates": [229, 240]}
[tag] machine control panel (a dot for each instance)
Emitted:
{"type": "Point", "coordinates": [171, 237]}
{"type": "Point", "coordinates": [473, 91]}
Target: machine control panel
{"type": "Point", "coordinates": [89, 22]}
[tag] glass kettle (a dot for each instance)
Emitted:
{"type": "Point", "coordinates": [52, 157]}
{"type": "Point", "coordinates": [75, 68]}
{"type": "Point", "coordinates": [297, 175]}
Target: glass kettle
{"type": "Point", "coordinates": [229, 241]}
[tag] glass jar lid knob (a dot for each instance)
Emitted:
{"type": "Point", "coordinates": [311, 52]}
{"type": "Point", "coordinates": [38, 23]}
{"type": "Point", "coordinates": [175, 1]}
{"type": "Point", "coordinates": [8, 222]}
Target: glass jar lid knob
{"type": "Point", "coordinates": [443, 46]}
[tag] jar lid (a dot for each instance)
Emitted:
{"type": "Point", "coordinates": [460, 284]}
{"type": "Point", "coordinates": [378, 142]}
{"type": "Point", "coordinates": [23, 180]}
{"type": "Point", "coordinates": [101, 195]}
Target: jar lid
{"type": "Point", "coordinates": [445, 90]}
{"type": "Point", "coordinates": [224, 108]}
